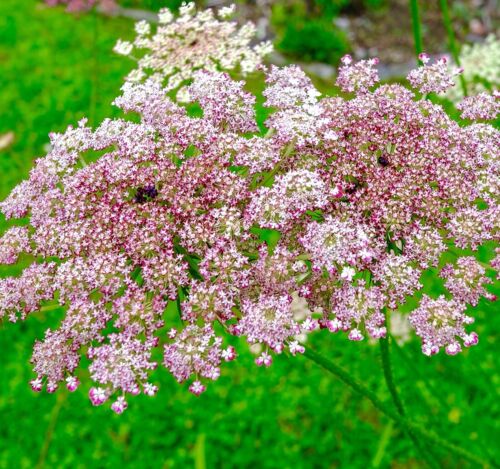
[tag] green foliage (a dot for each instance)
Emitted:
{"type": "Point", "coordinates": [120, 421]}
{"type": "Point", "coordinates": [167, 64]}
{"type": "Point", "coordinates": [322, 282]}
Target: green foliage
{"type": "Point", "coordinates": [57, 68]}
{"type": "Point", "coordinates": [314, 40]}
{"type": "Point", "coordinates": [306, 31]}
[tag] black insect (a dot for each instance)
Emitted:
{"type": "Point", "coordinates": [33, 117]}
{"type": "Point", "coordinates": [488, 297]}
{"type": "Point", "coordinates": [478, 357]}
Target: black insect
{"type": "Point", "coordinates": [383, 161]}
{"type": "Point", "coordinates": [145, 194]}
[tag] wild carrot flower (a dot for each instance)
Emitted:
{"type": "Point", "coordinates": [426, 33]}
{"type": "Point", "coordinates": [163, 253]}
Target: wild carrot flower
{"type": "Point", "coordinates": [341, 205]}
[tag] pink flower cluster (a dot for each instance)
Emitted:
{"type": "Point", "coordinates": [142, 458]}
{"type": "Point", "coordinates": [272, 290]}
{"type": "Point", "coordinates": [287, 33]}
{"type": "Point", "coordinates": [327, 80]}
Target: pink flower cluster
{"type": "Point", "coordinates": [433, 78]}
{"type": "Point", "coordinates": [482, 106]}
{"type": "Point", "coordinates": [175, 211]}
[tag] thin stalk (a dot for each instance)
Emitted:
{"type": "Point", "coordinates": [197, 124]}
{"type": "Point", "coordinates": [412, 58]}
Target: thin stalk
{"type": "Point", "coordinates": [416, 28]}
{"type": "Point", "coordinates": [386, 364]}
{"type": "Point", "coordinates": [382, 444]}
{"type": "Point", "coordinates": [288, 151]}
{"type": "Point", "coordinates": [452, 43]}
{"type": "Point", "coordinates": [389, 379]}
{"type": "Point", "coordinates": [61, 397]}
{"type": "Point", "coordinates": [417, 373]}
{"type": "Point", "coordinates": [387, 410]}
{"type": "Point", "coordinates": [95, 67]}
{"type": "Point", "coordinates": [51, 307]}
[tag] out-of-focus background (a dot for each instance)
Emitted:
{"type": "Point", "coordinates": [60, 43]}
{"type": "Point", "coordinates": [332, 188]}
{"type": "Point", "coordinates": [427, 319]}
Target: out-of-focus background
{"type": "Point", "coordinates": [57, 67]}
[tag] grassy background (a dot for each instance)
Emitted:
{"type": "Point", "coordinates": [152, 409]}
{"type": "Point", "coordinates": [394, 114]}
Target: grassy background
{"type": "Point", "coordinates": [55, 69]}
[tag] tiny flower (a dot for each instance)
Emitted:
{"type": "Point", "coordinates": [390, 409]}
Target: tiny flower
{"type": "Point", "coordinates": [331, 135]}
{"type": "Point", "coordinates": [471, 339]}
{"type": "Point", "coordinates": [295, 348]}
{"type": "Point", "coordinates": [453, 348]}
{"type": "Point", "coordinates": [366, 255]}
{"type": "Point", "coordinates": [51, 387]}
{"type": "Point", "coordinates": [337, 192]}
{"type": "Point", "coordinates": [123, 47]}
{"type": "Point", "coordinates": [429, 349]}
{"type": "Point", "coordinates": [334, 325]}
{"type": "Point", "coordinates": [346, 59]}
{"type": "Point", "coordinates": [347, 273]}
{"type": "Point", "coordinates": [229, 354]}
{"type": "Point", "coordinates": [142, 28]}
{"type": "Point", "coordinates": [227, 12]}
{"type": "Point", "coordinates": [134, 389]}
{"type": "Point", "coordinates": [264, 359]}
{"type": "Point", "coordinates": [278, 348]}
{"type": "Point", "coordinates": [72, 383]}
{"type": "Point", "coordinates": [355, 335]}
{"type": "Point", "coordinates": [98, 396]}
{"type": "Point", "coordinates": [36, 384]}
{"type": "Point", "coordinates": [119, 406]}
{"type": "Point", "coordinates": [165, 16]}
{"type": "Point", "coordinates": [378, 332]}
{"type": "Point", "coordinates": [197, 388]}
{"type": "Point", "coordinates": [150, 389]}
{"type": "Point", "coordinates": [309, 324]}
{"type": "Point", "coordinates": [424, 58]}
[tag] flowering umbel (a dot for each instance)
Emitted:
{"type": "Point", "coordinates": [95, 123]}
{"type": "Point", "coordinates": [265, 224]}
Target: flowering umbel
{"type": "Point", "coordinates": [360, 195]}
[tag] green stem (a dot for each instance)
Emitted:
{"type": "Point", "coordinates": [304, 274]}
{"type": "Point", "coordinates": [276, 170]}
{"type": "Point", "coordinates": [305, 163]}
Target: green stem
{"type": "Point", "coordinates": [288, 151]}
{"type": "Point", "coordinates": [386, 364]}
{"type": "Point", "coordinates": [452, 43]}
{"type": "Point", "coordinates": [382, 445]}
{"type": "Point", "coordinates": [389, 379]}
{"type": "Point", "coordinates": [61, 397]}
{"type": "Point", "coordinates": [421, 431]}
{"type": "Point", "coordinates": [95, 67]}
{"type": "Point", "coordinates": [410, 365]}
{"type": "Point", "coordinates": [416, 28]}
{"type": "Point", "coordinates": [51, 307]}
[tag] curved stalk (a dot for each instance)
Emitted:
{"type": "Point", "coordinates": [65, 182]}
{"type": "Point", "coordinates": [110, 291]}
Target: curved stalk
{"type": "Point", "coordinates": [386, 365]}
{"type": "Point", "coordinates": [95, 68]}
{"type": "Point", "coordinates": [387, 410]}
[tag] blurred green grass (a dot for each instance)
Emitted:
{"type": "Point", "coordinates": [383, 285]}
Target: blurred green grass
{"type": "Point", "coordinates": [292, 415]}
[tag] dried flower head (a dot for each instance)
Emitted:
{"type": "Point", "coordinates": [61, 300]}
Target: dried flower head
{"type": "Point", "coordinates": [195, 40]}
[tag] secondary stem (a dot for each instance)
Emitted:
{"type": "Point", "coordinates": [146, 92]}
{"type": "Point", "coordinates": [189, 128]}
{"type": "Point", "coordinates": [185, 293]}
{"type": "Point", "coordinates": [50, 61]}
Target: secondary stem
{"type": "Point", "coordinates": [288, 151]}
{"type": "Point", "coordinates": [360, 388]}
{"type": "Point", "coordinates": [415, 25]}
{"type": "Point", "coordinates": [386, 364]}
{"type": "Point", "coordinates": [95, 67]}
